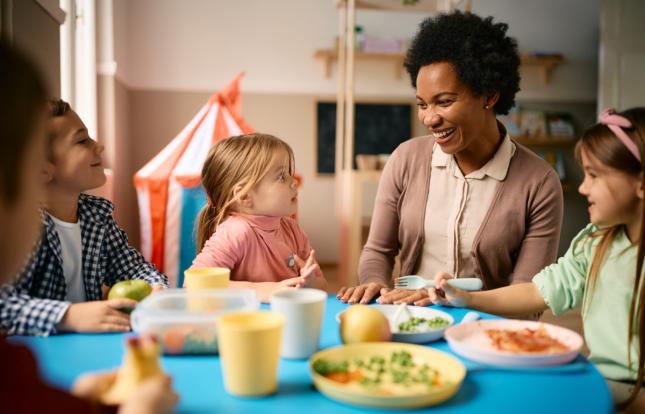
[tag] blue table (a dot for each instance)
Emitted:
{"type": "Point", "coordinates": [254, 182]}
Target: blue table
{"type": "Point", "coordinates": [198, 379]}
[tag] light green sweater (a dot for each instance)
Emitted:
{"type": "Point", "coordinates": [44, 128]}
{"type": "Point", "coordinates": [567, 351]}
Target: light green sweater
{"type": "Point", "coordinates": [605, 314]}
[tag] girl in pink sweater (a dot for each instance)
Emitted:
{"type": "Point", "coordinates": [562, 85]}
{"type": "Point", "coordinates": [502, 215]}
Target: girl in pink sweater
{"type": "Point", "coordinates": [246, 225]}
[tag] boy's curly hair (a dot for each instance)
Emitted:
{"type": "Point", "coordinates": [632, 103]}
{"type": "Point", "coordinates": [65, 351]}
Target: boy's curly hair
{"type": "Point", "coordinates": [484, 57]}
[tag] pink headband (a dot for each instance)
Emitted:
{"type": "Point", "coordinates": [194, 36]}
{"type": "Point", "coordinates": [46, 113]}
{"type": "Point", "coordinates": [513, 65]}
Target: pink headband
{"type": "Point", "coordinates": [615, 123]}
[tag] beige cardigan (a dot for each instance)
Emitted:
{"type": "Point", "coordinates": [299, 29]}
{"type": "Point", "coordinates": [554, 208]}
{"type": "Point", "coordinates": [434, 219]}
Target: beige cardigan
{"type": "Point", "coordinates": [517, 238]}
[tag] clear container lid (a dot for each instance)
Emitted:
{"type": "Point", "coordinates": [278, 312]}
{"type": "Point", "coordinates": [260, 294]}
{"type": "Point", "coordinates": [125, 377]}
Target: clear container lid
{"type": "Point", "coordinates": [173, 306]}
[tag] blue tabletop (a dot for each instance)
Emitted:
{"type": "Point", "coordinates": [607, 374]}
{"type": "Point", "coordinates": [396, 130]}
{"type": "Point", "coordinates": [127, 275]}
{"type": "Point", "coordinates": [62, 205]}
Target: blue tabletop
{"type": "Point", "coordinates": [198, 379]}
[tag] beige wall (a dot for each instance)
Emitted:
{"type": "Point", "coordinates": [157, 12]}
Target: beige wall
{"type": "Point", "coordinates": [37, 33]}
{"type": "Point", "coordinates": [197, 45]}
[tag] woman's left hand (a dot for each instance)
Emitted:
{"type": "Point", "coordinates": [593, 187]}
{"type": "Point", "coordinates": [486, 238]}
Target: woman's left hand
{"type": "Point", "coordinates": [417, 297]}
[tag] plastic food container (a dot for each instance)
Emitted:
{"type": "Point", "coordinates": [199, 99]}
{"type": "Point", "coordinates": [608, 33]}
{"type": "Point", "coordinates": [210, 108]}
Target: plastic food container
{"type": "Point", "coordinates": [186, 321]}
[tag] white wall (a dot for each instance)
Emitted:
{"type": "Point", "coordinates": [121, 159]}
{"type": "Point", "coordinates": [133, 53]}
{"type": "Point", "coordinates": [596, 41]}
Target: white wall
{"type": "Point", "coordinates": [201, 44]}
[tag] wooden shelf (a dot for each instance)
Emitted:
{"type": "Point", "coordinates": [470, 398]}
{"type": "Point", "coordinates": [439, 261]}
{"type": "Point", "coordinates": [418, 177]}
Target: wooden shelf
{"type": "Point", "coordinates": [545, 63]}
{"type": "Point", "coordinates": [545, 141]}
{"type": "Point", "coordinates": [428, 6]}
{"type": "Point", "coordinates": [329, 56]}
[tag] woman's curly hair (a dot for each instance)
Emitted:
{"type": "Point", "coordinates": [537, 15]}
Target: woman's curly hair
{"type": "Point", "coordinates": [484, 57]}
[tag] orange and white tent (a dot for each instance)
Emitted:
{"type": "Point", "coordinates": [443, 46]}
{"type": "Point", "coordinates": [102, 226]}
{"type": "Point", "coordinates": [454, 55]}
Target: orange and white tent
{"type": "Point", "coordinates": [169, 188]}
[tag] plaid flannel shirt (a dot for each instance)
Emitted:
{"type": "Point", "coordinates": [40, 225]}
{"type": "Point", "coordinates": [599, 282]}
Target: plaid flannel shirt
{"type": "Point", "coordinates": [35, 303]}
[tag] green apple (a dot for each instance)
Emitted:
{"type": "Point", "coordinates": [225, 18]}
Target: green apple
{"type": "Point", "coordinates": [134, 289]}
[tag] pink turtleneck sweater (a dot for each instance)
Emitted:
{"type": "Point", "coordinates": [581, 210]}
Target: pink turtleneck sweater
{"type": "Point", "coordinates": [255, 248]}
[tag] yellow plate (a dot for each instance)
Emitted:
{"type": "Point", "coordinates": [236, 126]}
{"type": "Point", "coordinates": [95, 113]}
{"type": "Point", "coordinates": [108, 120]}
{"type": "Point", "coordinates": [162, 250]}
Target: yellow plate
{"type": "Point", "coordinates": [451, 370]}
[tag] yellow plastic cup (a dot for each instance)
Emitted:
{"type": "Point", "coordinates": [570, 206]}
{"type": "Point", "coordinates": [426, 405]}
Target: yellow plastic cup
{"type": "Point", "coordinates": [249, 348]}
{"type": "Point", "coordinates": [198, 278]}
{"type": "Point", "coordinates": [202, 278]}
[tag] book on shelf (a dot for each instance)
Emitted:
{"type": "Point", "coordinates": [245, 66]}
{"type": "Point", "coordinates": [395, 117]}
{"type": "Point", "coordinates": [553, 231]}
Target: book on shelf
{"type": "Point", "coordinates": [560, 125]}
{"type": "Point", "coordinates": [533, 123]}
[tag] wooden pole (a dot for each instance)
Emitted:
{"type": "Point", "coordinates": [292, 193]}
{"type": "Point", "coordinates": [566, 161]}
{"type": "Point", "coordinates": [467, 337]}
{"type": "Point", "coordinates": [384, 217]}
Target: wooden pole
{"type": "Point", "coordinates": [340, 107]}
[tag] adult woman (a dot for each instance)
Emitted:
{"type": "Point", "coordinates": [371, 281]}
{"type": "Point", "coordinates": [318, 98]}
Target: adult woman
{"type": "Point", "coordinates": [465, 199]}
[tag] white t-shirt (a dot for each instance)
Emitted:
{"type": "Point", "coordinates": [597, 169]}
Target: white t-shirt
{"type": "Point", "coordinates": [72, 255]}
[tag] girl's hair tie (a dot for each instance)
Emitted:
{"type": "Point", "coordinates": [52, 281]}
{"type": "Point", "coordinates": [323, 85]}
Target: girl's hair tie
{"type": "Point", "coordinates": [616, 123]}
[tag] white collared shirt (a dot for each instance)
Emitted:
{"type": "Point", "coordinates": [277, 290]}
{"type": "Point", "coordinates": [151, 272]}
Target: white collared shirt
{"type": "Point", "coordinates": [456, 209]}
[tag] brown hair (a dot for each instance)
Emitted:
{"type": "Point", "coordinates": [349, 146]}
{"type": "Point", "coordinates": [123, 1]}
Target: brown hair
{"type": "Point", "coordinates": [56, 108]}
{"type": "Point", "coordinates": [243, 161]}
{"type": "Point", "coordinates": [610, 151]}
{"type": "Point", "coordinates": [23, 98]}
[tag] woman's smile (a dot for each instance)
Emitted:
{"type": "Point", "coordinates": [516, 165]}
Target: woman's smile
{"type": "Point", "coordinates": [443, 136]}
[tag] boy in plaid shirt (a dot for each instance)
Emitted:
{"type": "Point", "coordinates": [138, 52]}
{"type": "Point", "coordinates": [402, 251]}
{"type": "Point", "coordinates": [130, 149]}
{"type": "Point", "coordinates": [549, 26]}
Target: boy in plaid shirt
{"type": "Point", "coordinates": [81, 251]}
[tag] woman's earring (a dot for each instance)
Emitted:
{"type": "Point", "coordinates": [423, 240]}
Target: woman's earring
{"type": "Point", "coordinates": [486, 106]}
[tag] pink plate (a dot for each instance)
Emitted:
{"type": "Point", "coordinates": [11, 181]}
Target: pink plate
{"type": "Point", "coordinates": [470, 341]}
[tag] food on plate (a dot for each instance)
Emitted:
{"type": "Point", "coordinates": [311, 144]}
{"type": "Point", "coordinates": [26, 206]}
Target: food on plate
{"type": "Point", "coordinates": [140, 362]}
{"type": "Point", "coordinates": [415, 324]}
{"type": "Point", "coordinates": [362, 323]}
{"type": "Point", "coordinates": [394, 374]}
{"type": "Point", "coordinates": [526, 340]}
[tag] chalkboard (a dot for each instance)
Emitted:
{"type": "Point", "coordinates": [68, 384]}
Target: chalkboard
{"type": "Point", "coordinates": [379, 129]}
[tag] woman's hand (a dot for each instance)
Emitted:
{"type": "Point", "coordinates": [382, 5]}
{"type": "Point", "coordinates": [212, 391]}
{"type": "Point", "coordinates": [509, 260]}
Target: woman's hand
{"type": "Point", "coordinates": [361, 293]}
{"type": "Point", "coordinates": [447, 295]}
{"type": "Point", "coordinates": [417, 297]}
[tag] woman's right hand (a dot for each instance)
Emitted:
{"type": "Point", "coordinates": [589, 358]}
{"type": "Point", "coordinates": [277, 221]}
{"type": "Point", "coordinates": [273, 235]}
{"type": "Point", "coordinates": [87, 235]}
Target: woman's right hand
{"type": "Point", "coordinates": [361, 293]}
{"type": "Point", "coordinates": [447, 295]}
{"type": "Point", "coordinates": [154, 395]}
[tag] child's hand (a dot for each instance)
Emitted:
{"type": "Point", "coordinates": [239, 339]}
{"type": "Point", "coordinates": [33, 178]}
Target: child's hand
{"type": "Point", "coordinates": [97, 316]}
{"type": "Point", "coordinates": [446, 294]}
{"type": "Point", "coordinates": [309, 269]}
{"type": "Point", "coordinates": [266, 289]}
{"type": "Point", "coordinates": [92, 386]}
{"type": "Point", "coordinates": [154, 395]}
{"type": "Point", "coordinates": [157, 288]}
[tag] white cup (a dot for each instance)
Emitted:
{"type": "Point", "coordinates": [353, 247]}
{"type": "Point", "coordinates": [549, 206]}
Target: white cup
{"type": "Point", "coordinates": [303, 311]}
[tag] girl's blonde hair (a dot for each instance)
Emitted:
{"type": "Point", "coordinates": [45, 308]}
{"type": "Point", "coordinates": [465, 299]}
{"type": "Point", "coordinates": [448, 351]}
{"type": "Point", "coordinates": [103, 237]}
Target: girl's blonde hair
{"type": "Point", "coordinates": [601, 142]}
{"type": "Point", "coordinates": [243, 161]}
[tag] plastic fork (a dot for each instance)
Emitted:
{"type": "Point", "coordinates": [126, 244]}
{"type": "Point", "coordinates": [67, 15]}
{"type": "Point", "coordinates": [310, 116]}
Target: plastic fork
{"type": "Point", "coordinates": [413, 282]}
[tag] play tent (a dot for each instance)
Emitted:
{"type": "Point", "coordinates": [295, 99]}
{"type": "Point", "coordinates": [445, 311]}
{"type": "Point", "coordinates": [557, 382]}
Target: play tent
{"type": "Point", "coordinates": [168, 186]}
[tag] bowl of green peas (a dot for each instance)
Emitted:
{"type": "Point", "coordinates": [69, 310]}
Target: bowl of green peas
{"type": "Point", "coordinates": [414, 324]}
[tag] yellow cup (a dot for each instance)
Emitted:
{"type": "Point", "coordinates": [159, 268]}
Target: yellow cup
{"type": "Point", "coordinates": [249, 348]}
{"type": "Point", "coordinates": [201, 278]}
{"type": "Point", "coordinates": [198, 278]}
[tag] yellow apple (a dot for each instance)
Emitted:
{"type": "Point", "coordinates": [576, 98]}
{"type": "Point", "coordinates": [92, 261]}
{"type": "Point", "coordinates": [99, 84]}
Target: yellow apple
{"type": "Point", "coordinates": [362, 323]}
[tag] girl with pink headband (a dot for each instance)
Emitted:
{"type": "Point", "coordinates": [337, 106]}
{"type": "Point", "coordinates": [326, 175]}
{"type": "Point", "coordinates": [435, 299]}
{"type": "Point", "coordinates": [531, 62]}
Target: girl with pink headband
{"type": "Point", "coordinates": [603, 269]}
